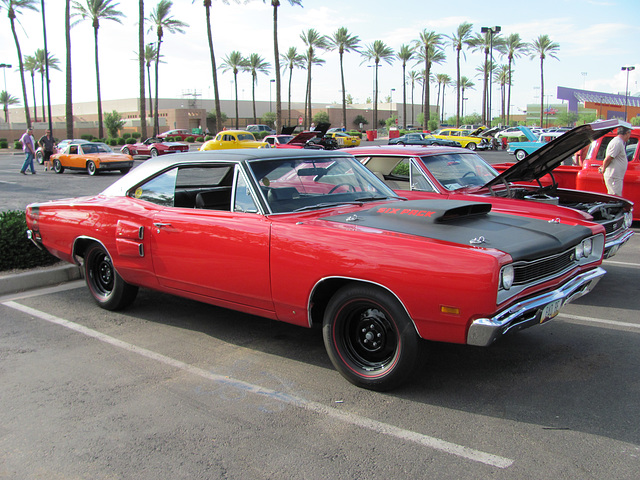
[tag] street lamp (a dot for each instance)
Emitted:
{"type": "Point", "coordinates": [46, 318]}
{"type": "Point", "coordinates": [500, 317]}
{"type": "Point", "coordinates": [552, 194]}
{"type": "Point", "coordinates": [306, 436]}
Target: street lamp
{"type": "Point", "coordinates": [271, 82]}
{"type": "Point", "coordinates": [626, 90]}
{"type": "Point", "coordinates": [462, 110]}
{"type": "Point", "coordinates": [491, 31]}
{"type": "Point", "coordinates": [391, 95]}
{"type": "Point", "coordinates": [3, 66]}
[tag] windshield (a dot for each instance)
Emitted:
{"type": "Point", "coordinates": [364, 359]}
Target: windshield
{"type": "Point", "coordinates": [96, 148]}
{"type": "Point", "coordinates": [306, 183]}
{"type": "Point", "coordinates": [459, 170]}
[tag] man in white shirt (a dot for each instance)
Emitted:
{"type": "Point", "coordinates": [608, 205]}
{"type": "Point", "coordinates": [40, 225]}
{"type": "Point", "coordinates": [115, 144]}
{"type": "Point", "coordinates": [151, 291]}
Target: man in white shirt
{"type": "Point", "coordinates": [614, 165]}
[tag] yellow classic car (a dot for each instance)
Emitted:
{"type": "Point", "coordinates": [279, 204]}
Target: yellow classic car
{"type": "Point", "coordinates": [232, 139]}
{"type": "Point", "coordinates": [344, 139]}
{"type": "Point", "coordinates": [93, 157]}
{"type": "Point", "coordinates": [459, 135]}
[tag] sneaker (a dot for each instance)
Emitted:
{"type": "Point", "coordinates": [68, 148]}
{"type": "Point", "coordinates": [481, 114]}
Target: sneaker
{"type": "Point", "coordinates": [33, 173]}
{"type": "Point", "coordinates": [22, 172]}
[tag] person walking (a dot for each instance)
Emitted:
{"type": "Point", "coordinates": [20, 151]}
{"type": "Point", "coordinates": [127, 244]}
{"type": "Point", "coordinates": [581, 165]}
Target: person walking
{"type": "Point", "coordinates": [28, 147]}
{"type": "Point", "coordinates": [48, 145]}
{"type": "Point", "coordinates": [614, 165]}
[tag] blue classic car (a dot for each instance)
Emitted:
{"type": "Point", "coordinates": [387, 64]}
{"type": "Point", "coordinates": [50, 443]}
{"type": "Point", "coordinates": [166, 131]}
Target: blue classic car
{"type": "Point", "coordinates": [522, 149]}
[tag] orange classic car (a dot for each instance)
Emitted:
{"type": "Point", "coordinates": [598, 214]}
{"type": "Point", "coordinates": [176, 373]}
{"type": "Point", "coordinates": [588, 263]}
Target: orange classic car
{"type": "Point", "coordinates": [93, 157]}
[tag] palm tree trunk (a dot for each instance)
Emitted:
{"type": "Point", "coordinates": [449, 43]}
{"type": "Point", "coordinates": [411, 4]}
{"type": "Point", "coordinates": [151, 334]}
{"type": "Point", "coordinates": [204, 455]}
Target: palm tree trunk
{"type": "Point", "coordinates": [444, 87]}
{"type": "Point", "coordinates": [509, 93]}
{"type": "Point", "coordinates": [344, 95]}
{"type": "Point", "coordinates": [235, 78]}
{"type": "Point", "coordinates": [307, 112]}
{"type": "Point", "coordinates": [404, 95]}
{"type": "Point", "coordinates": [458, 89]}
{"type": "Point", "coordinates": [276, 55]}
{"type": "Point", "coordinates": [438, 99]}
{"type": "Point", "coordinates": [253, 94]}
{"type": "Point", "coordinates": [150, 90]}
{"type": "Point", "coordinates": [541, 89]}
{"type": "Point", "coordinates": [143, 95]}
{"type": "Point", "coordinates": [156, 121]}
{"type": "Point", "coordinates": [214, 70]}
{"type": "Point", "coordinates": [375, 101]}
{"type": "Point", "coordinates": [35, 104]}
{"type": "Point", "coordinates": [290, 78]}
{"type": "Point", "coordinates": [426, 114]}
{"type": "Point", "coordinates": [100, 128]}
{"type": "Point", "coordinates": [21, 65]}
{"type": "Point", "coordinates": [412, 111]}
{"type": "Point", "coordinates": [44, 113]}
{"type": "Point", "coordinates": [68, 97]}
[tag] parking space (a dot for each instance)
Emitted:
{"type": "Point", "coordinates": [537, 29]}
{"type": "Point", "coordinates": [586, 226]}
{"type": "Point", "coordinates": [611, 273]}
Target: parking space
{"type": "Point", "coordinates": [171, 388]}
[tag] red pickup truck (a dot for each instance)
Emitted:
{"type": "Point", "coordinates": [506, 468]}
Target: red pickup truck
{"type": "Point", "coordinates": [586, 177]}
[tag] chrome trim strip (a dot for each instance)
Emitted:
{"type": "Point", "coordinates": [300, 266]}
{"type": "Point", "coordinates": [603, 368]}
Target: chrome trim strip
{"type": "Point", "coordinates": [484, 331]}
{"type": "Point", "coordinates": [621, 240]}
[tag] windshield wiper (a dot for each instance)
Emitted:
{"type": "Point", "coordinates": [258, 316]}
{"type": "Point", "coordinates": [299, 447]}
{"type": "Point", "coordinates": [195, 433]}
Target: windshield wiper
{"type": "Point", "coordinates": [326, 205]}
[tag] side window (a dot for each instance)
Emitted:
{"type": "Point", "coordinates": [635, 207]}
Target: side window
{"type": "Point", "coordinates": [159, 190]}
{"type": "Point", "coordinates": [219, 137]}
{"type": "Point", "coordinates": [632, 145]}
{"type": "Point", "coordinates": [602, 151]}
{"type": "Point", "coordinates": [243, 199]}
{"type": "Point", "coordinates": [419, 180]}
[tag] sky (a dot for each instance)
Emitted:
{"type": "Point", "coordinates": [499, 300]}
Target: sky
{"type": "Point", "coordinates": [596, 38]}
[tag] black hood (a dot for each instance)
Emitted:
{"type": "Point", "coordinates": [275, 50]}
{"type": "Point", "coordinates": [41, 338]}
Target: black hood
{"type": "Point", "coordinates": [552, 154]}
{"type": "Point", "coordinates": [470, 223]}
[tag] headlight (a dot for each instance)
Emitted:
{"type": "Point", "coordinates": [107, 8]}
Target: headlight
{"type": "Point", "coordinates": [587, 246]}
{"type": "Point", "coordinates": [628, 219]}
{"type": "Point", "coordinates": [507, 276]}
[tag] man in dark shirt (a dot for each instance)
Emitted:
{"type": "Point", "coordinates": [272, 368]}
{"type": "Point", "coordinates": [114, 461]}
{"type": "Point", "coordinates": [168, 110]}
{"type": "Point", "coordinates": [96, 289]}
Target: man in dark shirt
{"type": "Point", "coordinates": [48, 145]}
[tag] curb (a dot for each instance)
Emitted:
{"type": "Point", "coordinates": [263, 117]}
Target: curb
{"type": "Point", "coordinates": [21, 282]}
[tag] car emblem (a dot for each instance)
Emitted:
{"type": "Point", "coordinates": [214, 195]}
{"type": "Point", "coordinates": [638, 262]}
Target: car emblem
{"type": "Point", "coordinates": [353, 218]}
{"type": "Point", "coordinates": [477, 240]}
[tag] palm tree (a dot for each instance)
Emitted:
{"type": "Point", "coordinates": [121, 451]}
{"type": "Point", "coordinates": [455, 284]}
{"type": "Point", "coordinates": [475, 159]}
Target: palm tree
{"type": "Point", "coordinates": [276, 55]}
{"type": "Point", "coordinates": [513, 47]}
{"type": "Point", "coordinates": [150, 55]}
{"type": "Point", "coordinates": [31, 65]}
{"type": "Point", "coordinates": [42, 63]}
{"type": "Point", "coordinates": [96, 10]}
{"type": "Point", "coordinates": [290, 60]}
{"type": "Point", "coordinates": [6, 99]}
{"type": "Point", "coordinates": [404, 55]}
{"type": "Point", "coordinates": [14, 8]}
{"type": "Point", "coordinates": [413, 78]}
{"type": "Point", "coordinates": [68, 90]}
{"type": "Point", "coordinates": [309, 58]}
{"type": "Point", "coordinates": [313, 41]}
{"type": "Point", "coordinates": [160, 20]}
{"type": "Point", "coordinates": [483, 42]}
{"type": "Point", "coordinates": [542, 47]}
{"type": "Point", "coordinates": [142, 93]}
{"type": "Point", "coordinates": [344, 42]}
{"type": "Point", "coordinates": [235, 62]}
{"type": "Point", "coordinates": [376, 52]}
{"type": "Point", "coordinates": [443, 81]}
{"type": "Point", "coordinates": [458, 40]}
{"type": "Point", "coordinates": [214, 69]}
{"type": "Point", "coordinates": [465, 84]}
{"type": "Point", "coordinates": [429, 43]}
{"type": "Point", "coordinates": [435, 55]}
{"type": "Point", "coordinates": [256, 64]}
{"type": "Point", "coordinates": [501, 77]}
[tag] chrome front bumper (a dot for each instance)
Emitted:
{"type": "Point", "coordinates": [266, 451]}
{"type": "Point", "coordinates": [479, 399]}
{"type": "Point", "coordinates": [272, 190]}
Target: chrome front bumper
{"type": "Point", "coordinates": [527, 313]}
{"type": "Point", "coordinates": [611, 246]}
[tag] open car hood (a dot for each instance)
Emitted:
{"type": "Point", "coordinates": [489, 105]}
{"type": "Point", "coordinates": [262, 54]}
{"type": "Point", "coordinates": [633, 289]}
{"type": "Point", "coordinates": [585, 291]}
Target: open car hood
{"type": "Point", "coordinates": [552, 154]}
{"type": "Point", "coordinates": [302, 138]}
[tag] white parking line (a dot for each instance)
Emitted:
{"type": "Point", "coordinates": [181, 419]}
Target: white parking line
{"type": "Point", "coordinates": [601, 321]}
{"type": "Point", "coordinates": [624, 264]}
{"type": "Point", "coordinates": [350, 418]}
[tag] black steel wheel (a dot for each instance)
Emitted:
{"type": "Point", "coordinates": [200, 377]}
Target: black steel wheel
{"type": "Point", "coordinates": [107, 287]}
{"type": "Point", "coordinates": [369, 337]}
{"type": "Point", "coordinates": [57, 166]}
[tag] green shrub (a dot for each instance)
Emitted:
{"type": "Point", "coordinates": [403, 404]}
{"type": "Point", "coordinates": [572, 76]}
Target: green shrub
{"type": "Point", "coordinates": [3, 140]}
{"type": "Point", "coordinates": [18, 252]}
{"type": "Point", "coordinates": [4, 144]}
{"type": "Point", "coordinates": [121, 141]}
{"type": "Point", "coordinates": [126, 135]}
{"type": "Point", "coordinates": [130, 141]}
{"type": "Point", "coordinates": [200, 139]}
{"type": "Point", "coordinates": [86, 136]}
{"type": "Point", "coordinates": [190, 139]}
{"type": "Point", "coordinates": [136, 135]}
{"type": "Point", "coordinates": [207, 138]}
{"type": "Point", "coordinates": [355, 133]}
{"type": "Point", "coordinates": [17, 144]}
{"type": "Point", "coordinates": [112, 142]}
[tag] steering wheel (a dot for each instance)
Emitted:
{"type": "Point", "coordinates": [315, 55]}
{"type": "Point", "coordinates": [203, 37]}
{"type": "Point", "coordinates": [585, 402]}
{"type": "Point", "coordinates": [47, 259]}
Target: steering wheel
{"type": "Point", "coordinates": [469, 174]}
{"type": "Point", "coordinates": [348, 185]}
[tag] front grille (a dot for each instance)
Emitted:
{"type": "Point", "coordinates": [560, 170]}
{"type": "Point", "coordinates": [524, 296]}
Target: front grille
{"type": "Point", "coordinates": [612, 226]}
{"type": "Point", "coordinates": [527, 272]}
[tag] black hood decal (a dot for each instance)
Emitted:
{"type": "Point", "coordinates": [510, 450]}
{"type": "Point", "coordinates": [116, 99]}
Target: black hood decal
{"type": "Point", "coordinates": [470, 224]}
{"type": "Point", "coordinates": [549, 156]}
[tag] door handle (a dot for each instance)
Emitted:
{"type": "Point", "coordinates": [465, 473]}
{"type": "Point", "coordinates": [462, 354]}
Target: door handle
{"type": "Point", "coordinates": [160, 225]}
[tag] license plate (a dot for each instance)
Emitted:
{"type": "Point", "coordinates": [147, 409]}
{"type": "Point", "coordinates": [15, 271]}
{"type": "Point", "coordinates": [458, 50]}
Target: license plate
{"type": "Point", "coordinates": [550, 310]}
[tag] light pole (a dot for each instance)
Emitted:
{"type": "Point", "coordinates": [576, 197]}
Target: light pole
{"type": "Point", "coordinates": [462, 110]}
{"type": "Point", "coordinates": [270, 84]}
{"type": "Point", "coordinates": [391, 94]}
{"type": "Point", "coordinates": [584, 80]}
{"type": "Point", "coordinates": [491, 31]}
{"type": "Point", "coordinates": [3, 66]}
{"type": "Point", "coordinates": [626, 90]}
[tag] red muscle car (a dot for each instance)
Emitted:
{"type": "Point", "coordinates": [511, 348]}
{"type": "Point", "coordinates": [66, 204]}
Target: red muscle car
{"type": "Point", "coordinates": [312, 237]}
{"type": "Point", "coordinates": [152, 147]}
{"type": "Point", "coordinates": [455, 173]}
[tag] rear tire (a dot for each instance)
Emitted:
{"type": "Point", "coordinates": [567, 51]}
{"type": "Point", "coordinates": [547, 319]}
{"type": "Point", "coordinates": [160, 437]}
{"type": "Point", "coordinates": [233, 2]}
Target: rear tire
{"type": "Point", "coordinates": [154, 152]}
{"type": "Point", "coordinates": [520, 155]}
{"type": "Point", "coordinates": [472, 146]}
{"type": "Point", "coordinates": [369, 337]}
{"type": "Point", "coordinates": [125, 150]}
{"type": "Point", "coordinates": [57, 166]}
{"type": "Point", "coordinates": [91, 168]}
{"type": "Point", "coordinates": [107, 287]}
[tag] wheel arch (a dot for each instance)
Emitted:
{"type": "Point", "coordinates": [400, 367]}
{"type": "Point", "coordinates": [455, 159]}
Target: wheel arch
{"type": "Point", "coordinates": [326, 287]}
{"type": "Point", "coordinates": [81, 245]}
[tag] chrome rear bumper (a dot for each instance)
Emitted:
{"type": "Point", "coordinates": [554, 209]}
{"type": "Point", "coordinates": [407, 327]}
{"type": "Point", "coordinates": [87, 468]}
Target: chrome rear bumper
{"type": "Point", "coordinates": [527, 313]}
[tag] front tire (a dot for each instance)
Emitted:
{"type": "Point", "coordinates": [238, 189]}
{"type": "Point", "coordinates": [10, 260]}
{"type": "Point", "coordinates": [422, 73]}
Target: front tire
{"type": "Point", "coordinates": [91, 168]}
{"type": "Point", "coordinates": [369, 337]}
{"type": "Point", "coordinates": [154, 152]}
{"type": "Point", "coordinates": [126, 151]}
{"type": "Point", "coordinates": [40, 156]}
{"type": "Point", "coordinates": [472, 146]}
{"type": "Point", "coordinates": [57, 166]}
{"type": "Point", "coordinates": [107, 287]}
{"type": "Point", "coordinates": [520, 154]}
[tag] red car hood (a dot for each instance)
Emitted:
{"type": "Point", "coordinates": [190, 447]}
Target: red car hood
{"type": "Point", "coordinates": [302, 138]}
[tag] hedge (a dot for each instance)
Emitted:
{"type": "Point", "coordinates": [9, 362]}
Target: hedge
{"type": "Point", "coordinates": [17, 250]}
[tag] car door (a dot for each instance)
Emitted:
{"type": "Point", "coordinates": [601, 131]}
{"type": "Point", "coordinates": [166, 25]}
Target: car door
{"type": "Point", "coordinates": [220, 252]}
